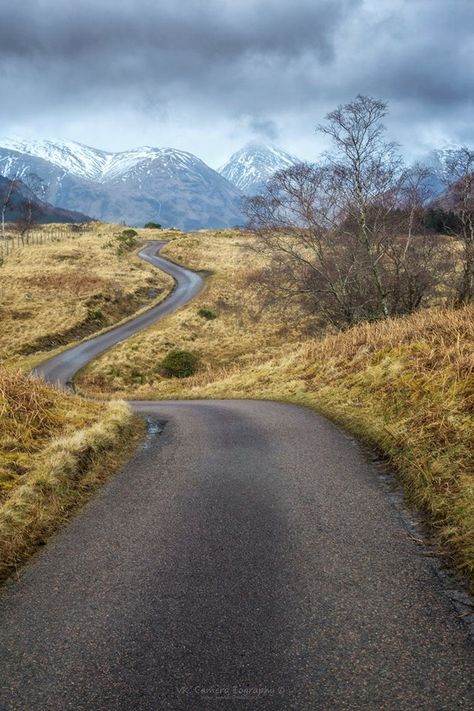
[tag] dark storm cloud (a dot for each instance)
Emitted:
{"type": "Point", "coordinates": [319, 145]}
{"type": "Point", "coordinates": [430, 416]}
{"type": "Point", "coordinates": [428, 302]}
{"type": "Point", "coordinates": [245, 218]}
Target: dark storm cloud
{"type": "Point", "coordinates": [214, 28]}
{"type": "Point", "coordinates": [214, 50]}
{"type": "Point", "coordinates": [267, 65]}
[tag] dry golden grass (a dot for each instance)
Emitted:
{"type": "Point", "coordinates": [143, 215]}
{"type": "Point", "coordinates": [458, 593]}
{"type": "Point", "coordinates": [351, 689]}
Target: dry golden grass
{"type": "Point", "coordinates": [55, 449]}
{"type": "Point", "coordinates": [243, 332]}
{"type": "Point", "coordinates": [59, 292]}
{"type": "Point", "coordinates": [405, 385]}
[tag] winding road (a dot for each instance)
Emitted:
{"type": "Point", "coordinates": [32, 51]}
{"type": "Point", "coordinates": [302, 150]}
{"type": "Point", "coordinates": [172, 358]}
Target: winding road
{"type": "Point", "coordinates": [246, 558]}
{"type": "Point", "coordinates": [60, 369]}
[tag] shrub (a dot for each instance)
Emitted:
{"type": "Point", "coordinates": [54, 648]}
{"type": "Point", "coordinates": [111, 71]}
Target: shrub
{"type": "Point", "coordinates": [207, 314]}
{"type": "Point", "coordinates": [152, 226]}
{"type": "Point", "coordinates": [127, 240]}
{"type": "Point", "coordinates": [179, 364]}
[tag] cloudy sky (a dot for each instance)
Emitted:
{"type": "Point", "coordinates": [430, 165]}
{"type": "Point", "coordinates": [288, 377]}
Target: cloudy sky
{"type": "Point", "coordinates": [209, 75]}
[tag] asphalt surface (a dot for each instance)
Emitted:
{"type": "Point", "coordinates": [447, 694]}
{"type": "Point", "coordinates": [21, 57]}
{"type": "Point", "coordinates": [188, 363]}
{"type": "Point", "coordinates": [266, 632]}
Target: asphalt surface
{"type": "Point", "coordinates": [246, 558]}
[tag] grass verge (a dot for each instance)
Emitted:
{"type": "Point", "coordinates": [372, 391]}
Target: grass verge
{"type": "Point", "coordinates": [55, 450]}
{"type": "Point", "coordinates": [404, 385]}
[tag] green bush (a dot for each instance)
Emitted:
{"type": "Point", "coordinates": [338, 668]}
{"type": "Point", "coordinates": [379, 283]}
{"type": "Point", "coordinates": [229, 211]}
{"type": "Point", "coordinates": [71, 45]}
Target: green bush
{"type": "Point", "coordinates": [207, 314]}
{"type": "Point", "coordinates": [137, 376]}
{"type": "Point", "coordinates": [152, 226]}
{"type": "Point", "coordinates": [96, 314]}
{"type": "Point", "coordinates": [179, 364]}
{"type": "Point", "coordinates": [127, 240]}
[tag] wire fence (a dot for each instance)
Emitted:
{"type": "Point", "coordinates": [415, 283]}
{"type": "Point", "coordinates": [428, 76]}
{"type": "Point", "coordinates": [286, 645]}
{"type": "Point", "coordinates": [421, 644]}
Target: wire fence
{"type": "Point", "coordinates": [42, 234]}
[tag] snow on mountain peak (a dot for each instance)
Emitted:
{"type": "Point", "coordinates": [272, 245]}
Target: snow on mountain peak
{"type": "Point", "coordinates": [94, 164]}
{"type": "Point", "coordinates": [138, 185]}
{"type": "Point", "coordinates": [251, 166]}
{"type": "Point", "coordinates": [72, 157]}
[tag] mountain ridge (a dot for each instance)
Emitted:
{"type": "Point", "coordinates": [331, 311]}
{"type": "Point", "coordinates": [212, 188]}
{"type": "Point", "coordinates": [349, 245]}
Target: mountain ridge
{"type": "Point", "coordinates": [250, 167]}
{"type": "Point", "coordinates": [170, 186]}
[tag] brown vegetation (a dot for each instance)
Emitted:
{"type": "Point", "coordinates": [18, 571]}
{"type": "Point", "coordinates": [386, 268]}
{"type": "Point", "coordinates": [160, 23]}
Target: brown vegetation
{"type": "Point", "coordinates": [55, 449]}
{"type": "Point", "coordinates": [57, 292]}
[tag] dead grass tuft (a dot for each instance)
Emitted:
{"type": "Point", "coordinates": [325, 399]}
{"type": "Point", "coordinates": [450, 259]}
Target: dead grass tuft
{"type": "Point", "coordinates": [54, 450]}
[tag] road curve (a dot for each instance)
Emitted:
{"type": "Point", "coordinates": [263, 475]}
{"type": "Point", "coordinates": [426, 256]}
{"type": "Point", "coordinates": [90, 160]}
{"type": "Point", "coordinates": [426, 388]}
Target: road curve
{"type": "Point", "coordinates": [246, 558]}
{"type": "Point", "coordinates": [61, 368]}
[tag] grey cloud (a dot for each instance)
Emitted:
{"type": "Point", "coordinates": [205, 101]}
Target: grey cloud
{"type": "Point", "coordinates": [212, 29]}
{"type": "Point", "coordinates": [264, 128]}
{"type": "Point", "coordinates": [253, 68]}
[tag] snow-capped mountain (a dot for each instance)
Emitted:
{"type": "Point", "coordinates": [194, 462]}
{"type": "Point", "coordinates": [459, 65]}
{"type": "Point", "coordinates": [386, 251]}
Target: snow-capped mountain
{"type": "Point", "coordinates": [72, 157]}
{"type": "Point", "coordinates": [438, 163]}
{"type": "Point", "coordinates": [145, 184]}
{"type": "Point", "coordinates": [253, 165]}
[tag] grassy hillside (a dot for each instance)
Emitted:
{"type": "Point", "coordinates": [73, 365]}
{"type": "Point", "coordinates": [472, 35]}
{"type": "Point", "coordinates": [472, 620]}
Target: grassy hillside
{"type": "Point", "coordinates": [55, 449]}
{"type": "Point", "coordinates": [405, 385]}
{"type": "Point", "coordinates": [245, 330]}
{"type": "Point", "coordinates": [55, 293]}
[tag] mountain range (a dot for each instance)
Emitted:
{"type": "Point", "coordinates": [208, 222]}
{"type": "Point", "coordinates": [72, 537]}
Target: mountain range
{"type": "Point", "coordinates": [164, 185]}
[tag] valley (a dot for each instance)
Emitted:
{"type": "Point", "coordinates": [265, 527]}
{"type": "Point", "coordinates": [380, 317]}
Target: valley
{"type": "Point", "coordinates": [189, 546]}
{"type": "Point", "coordinates": [397, 384]}
{"type": "Point", "coordinates": [237, 356]}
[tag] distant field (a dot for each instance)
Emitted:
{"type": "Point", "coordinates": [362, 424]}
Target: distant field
{"type": "Point", "coordinates": [405, 385]}
{"type": "Point", "coordinates": [58, 292]}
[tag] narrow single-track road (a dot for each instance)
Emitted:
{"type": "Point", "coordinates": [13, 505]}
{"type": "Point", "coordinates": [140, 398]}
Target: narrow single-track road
{"type": "Point", "coordinates": [60, 369]}
{"type": "Point", "coordinates": [246, 558]}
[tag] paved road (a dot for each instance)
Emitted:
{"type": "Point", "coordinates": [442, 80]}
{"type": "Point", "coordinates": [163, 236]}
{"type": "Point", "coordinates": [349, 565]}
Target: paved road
{"type": "Point", "coordinates": [60, 369]}
{"type": "Point", "coordinates": [246, 558]}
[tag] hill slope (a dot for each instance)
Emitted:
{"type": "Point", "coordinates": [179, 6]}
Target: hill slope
{"type": "Point", "coordinates": [55, 449]}
{"type": "Point", "coordinates": [16, 193]}
{"type": "Point", "coordinates": [58, 292]}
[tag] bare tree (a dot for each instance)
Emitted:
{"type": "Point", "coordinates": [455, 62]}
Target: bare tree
{"type": "Point", "coordinates": [367, 169]}
{"type": "Point", "coordinates": [296, 220]}
{"type": "Point", "coordinates": [418, 260]}
{"type": "Point", "coordinates": [459, 177]}
{"type": "Point", "coordinates": [8, 199]}
{"type": "Point", "coordinates": [29, 207]}
{"type": "Point", "coordinates": [348, 236]}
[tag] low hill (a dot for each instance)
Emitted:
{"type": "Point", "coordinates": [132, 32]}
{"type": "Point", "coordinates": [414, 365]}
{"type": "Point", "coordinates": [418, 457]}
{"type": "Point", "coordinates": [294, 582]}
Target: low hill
{"type": "Point", "coordinates": [55, 449]}
{"type": "Point", "coordinates": [18, 194]}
